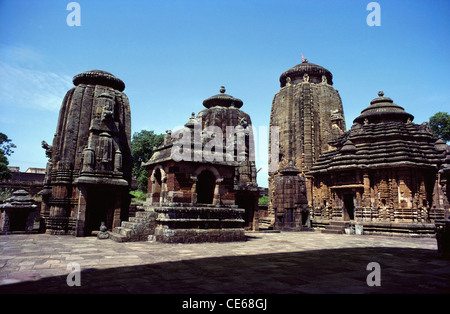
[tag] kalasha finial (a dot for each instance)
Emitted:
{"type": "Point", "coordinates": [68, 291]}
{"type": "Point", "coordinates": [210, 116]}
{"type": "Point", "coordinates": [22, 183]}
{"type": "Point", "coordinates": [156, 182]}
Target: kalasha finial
{"type": "Point", "coordinates": [222, 89]}
{"type": "Point", "coordinates": [304, 60]}
{"type": "Point", "coordinates": [380, 93]}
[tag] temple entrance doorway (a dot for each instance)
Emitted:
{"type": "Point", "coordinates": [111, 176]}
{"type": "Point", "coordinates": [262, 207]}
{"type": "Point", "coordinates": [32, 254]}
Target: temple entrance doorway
{"type": "Point", "coordinates": [206, 183]}
{"type": "Point", "coordinates": [349, 206]}
{"type": "Point", "coordinates": [99, 208]}
{"type": "Point", "coordinates": [247, 201]}
{"type": "Point", "coordinates": [156, 186]}
{"type": "Point", "coordinates": [18, 220]}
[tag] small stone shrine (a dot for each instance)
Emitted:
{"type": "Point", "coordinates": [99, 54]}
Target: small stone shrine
{"type": "Point", "coordinates": [382, 174]}
{"type": "Point", "coordinates": [289, 201]}
{"type": "Point", "coordinates": [89, 170]}
{"type": "Point", "coordinates": [200, 176]}
{"type": "Point", "coordinates": [18, 212]}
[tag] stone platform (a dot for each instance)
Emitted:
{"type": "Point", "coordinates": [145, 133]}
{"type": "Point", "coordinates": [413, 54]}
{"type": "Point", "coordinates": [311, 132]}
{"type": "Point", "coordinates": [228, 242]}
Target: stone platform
{"type": "Point", "coordinates": [183, 223]}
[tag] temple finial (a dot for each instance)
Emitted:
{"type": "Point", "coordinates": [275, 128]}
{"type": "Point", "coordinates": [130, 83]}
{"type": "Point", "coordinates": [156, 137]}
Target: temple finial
{"type": "Point", "coordinates": [304, 60]}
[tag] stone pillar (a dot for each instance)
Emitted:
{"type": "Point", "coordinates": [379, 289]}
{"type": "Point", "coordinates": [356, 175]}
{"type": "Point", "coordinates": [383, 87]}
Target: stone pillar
{"type": "Point", "coordinates": [117, 208]}
{"type": "Point", "coordinates": [366, 193]}
{"type": "Point", "coordinates": [216, 199]}
{"type": "Point", "coordinates": [81, 210]}
{"type": "Point", "coordinates": [163, 194]}
{"type": "Point", "coordinates": [194, 190]}
{"type": "Point", "coordinates": [151, 187]}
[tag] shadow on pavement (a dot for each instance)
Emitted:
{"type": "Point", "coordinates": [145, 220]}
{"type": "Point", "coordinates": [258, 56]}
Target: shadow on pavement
{"type": "Point", "coordinates": [402, 270]}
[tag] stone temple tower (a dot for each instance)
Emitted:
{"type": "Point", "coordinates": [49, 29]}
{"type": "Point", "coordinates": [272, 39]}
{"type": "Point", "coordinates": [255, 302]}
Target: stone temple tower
{"type": "Point", "coordinates": [89, 171]}
{"type": "Point", "coordinates": [224, 111]}
{"type": "Point", "coordinates": [309, 114]}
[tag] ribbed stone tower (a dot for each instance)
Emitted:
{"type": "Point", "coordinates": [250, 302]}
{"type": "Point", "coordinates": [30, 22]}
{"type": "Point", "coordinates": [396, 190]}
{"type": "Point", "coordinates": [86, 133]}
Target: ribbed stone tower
{"type": "Point", "coordinates": [309, 114]}
{"type": "Point", "coordinates": [89, 171]}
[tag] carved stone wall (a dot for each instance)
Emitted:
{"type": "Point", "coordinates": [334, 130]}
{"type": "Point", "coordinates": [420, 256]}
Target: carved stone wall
{"type": "Point", "coordinates": [385, 173]}
{"type": "Point", "coordinates": [89, 171]}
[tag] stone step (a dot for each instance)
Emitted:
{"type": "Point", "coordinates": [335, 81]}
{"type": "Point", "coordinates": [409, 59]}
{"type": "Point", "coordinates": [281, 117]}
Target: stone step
{"type": "Point", "coordinates": [332, 231]}
{"type": "Point", "coordinates": [138, 228]}
{"type": "Point", "coordinates": [146, 215]}
{"type": "Point", "coordinates": [130, 224]}
{"type": "Point", "coordinates": [137, 220]}
{"type": "Point", "coordinates": [340, 223]}
{"type": "Point", "coordinates": [117, 237]}
{"type": "Point", "coordinates": [336, 227]}
{"type": "Point", "coordinates": [124, 231]}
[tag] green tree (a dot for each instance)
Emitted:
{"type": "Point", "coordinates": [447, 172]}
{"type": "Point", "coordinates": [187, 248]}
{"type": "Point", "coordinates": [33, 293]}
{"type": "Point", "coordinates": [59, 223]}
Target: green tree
{"type": "Point", "coordinates": [263, 200]}
{"type": "Point", "coordinates": [142, 145]}
{"type": "Point", "coordinates": [440, 125]}
{"type": "Point", "coordinates": [6, 147]}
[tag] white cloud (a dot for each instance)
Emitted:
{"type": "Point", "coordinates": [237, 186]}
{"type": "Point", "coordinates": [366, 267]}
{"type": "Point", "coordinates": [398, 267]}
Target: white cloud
{"type": "Point", "coordinates": [25, 87]}
{"type": "Point", "coordinates": [25, 81]}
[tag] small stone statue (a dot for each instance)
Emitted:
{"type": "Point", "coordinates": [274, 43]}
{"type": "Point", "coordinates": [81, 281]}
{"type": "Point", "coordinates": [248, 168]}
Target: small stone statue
{"type": "Point", "coordinates": [243, 122]}
{"type": "Point", "coordinates": [305, 77]}
{"type": "Point", "coordinates": [107, 107]}
{"type": "Point", "coordinates": [48, 149]}
{"type": "Point", "coordinates": [288, 81]}
{"type": "Point", "coordinates": [103, 233]}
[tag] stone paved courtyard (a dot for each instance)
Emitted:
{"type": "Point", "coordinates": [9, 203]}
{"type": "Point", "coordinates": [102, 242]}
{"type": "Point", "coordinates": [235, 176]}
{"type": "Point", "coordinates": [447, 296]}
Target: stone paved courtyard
{"type": "Point", "coordinates": [282, 263]}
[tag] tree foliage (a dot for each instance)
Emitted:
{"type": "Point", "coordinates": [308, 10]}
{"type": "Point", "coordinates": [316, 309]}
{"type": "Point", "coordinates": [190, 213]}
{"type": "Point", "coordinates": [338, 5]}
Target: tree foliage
{"type": "Point", "coordinates": [6, 147]}
{"type": "Point", "coordinates": [142, 145]}
{"type": "Point", "coordinates": [263, 200]}
{"type": "Point", "coordinates": [440, 125]}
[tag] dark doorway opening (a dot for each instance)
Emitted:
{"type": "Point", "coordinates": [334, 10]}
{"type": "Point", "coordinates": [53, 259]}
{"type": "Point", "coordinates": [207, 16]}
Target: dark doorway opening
{"type": "Point", "coordinates": [206, 183]}
{"type": "Point", "coordinates": [156, 189]}
{"type": "Point", "coordinates": [349, 206]}
{"type": "Point", "coordinates": [247, 201]}
{"type": "Point", "coordinates": [99, 208]}
{"type": "Point", "coordinates": [18, 220]}
{"type": "Point", "coordinates": [305, 217]}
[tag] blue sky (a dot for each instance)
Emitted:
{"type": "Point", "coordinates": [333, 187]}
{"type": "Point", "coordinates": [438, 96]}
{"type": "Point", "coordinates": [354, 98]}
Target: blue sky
{"type": "Point", "coordinates": [173, 54]}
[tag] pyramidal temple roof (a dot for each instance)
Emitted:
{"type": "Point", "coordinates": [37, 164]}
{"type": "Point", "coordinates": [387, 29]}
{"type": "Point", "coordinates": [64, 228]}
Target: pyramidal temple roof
{"type": "Point", "coordinates": [222, 100]}
{"type": "Point", "coordinates": [383, 136]}
{"type": "Point", "coordinates": [383, 109]}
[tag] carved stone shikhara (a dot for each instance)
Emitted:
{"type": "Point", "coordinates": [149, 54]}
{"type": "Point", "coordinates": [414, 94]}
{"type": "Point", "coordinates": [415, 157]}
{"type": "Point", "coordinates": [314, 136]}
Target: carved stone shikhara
{"type": "Point", "coordinates": [89, 170]}
{"type": "Point", "coordinates": [309, 114]}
